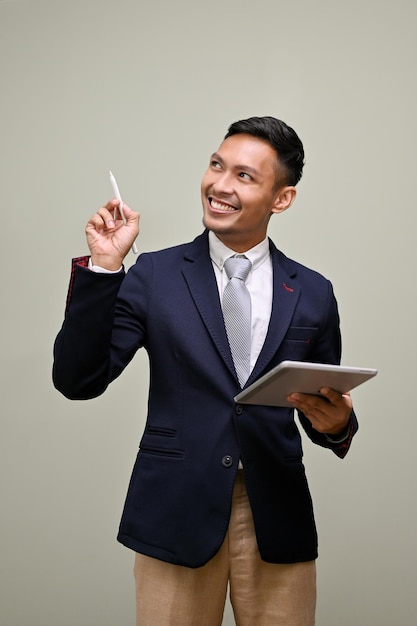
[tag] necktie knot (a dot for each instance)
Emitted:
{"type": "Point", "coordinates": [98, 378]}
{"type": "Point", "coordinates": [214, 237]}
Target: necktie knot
{"type": "Point", "coordinates": [237, 266]}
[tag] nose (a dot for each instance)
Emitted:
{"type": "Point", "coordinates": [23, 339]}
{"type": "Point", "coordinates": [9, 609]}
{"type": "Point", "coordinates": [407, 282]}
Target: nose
{"type": "Point", "coordinates": [223, 184]}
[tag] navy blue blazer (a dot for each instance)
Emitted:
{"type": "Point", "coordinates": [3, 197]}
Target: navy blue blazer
{"type": "Point", "coordinates": [178, 503]}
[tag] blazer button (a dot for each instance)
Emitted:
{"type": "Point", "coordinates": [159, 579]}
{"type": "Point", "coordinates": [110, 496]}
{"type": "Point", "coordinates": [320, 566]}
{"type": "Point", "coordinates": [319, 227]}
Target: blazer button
{"type": "Point", "coordinates": [239, 409]}
{"type": "Point", "coordinates": [227, 461]}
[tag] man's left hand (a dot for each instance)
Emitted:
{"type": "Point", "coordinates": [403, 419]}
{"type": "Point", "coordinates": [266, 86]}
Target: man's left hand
{"type": "Point", "coordinates": [328, 413]}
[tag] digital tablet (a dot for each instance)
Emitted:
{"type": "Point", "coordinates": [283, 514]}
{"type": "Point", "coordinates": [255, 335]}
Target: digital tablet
{"type": "Point", "coordinates": [288, 377]}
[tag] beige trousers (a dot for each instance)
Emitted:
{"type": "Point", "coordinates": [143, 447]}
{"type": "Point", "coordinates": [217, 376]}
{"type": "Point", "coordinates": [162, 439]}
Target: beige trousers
{"type": "Point", "coordinates": [261, 594]}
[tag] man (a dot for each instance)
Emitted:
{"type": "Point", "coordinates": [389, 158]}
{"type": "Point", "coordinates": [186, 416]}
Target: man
{"type": "Point", "coordinates": [218, 493]}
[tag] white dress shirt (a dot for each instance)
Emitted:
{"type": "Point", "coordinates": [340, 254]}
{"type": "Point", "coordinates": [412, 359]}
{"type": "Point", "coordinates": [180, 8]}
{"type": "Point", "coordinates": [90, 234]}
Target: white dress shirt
{"type": "Point", "coordinates": [258, 282]}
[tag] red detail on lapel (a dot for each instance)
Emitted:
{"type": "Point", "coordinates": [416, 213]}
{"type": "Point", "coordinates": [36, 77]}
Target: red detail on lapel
{"type": "Point", "coordinates": [288, 288]}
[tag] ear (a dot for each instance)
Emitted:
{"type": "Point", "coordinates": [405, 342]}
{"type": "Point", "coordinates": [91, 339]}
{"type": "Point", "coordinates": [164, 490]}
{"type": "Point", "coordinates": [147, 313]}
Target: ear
{"type": "Point", "coordinates": [284, 199]}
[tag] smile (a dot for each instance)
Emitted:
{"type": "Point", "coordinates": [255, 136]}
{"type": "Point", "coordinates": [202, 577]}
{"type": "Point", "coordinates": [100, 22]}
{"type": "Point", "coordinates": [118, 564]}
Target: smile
{"type": "Point", "coordinates": [220, 206]}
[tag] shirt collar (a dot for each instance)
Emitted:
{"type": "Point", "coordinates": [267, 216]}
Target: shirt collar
{"type": "Point", "coordinates": [219, 252]}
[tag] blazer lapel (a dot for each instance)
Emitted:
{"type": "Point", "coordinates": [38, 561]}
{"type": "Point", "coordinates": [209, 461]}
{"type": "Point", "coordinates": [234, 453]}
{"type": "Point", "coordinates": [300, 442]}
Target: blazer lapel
{"type": "Point", "coordinates": [285, 297]}
{"type": "Point", "coordinates": [199, 275]}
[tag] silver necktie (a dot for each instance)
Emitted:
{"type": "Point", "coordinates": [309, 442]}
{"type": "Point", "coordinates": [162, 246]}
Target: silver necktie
{"type": "Point", "coordinates": [237, 314]}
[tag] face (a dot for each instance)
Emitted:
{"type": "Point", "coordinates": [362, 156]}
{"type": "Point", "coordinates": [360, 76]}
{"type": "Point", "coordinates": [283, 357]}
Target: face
{"type": "Point", "coordinates": [239, 191]}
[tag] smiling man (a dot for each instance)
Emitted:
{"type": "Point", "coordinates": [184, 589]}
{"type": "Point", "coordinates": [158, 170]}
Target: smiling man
{"type": "Point", "coordinates": [243, 186]}
{"type": "Point", "coordinates": [218, 495]}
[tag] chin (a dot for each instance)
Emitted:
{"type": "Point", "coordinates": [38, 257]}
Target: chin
{"type": "Point", "coordinates": [220, 221]}
{"type": "Point", "coordinates": [214, 225]}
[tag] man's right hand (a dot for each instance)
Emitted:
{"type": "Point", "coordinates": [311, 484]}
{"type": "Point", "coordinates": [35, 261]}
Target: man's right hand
{"type": "Point", "coordinates": [108, 238]}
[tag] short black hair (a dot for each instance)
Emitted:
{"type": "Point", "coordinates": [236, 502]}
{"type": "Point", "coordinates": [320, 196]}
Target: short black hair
{"type": "Point", "coordinates": [281, 137]}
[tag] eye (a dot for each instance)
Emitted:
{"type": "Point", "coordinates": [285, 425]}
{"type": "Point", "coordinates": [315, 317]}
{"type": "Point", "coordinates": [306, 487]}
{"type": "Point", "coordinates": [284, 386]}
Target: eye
{"type": "Point", "coordinates": [215, 164]}
{"type": "Point", "coordinates": [245, 176]}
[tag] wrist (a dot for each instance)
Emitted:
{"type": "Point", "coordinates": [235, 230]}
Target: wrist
{"type": "Point", "coordinates": [340, 435]}
{"type": "Point", "coordinates": [110, 263]}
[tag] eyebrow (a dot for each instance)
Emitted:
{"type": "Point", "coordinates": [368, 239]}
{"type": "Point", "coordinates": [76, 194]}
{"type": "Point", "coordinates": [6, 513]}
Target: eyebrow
{"type": "Point", "coordinates": [246, 168]}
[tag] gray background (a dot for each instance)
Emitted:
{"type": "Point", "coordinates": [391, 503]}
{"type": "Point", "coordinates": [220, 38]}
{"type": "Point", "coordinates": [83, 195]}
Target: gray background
{"type": "Point", "coordinates": [148, 90]}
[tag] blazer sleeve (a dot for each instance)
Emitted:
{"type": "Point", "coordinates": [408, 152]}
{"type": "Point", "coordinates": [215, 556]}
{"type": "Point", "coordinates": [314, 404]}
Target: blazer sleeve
{"type": "Point", "coordinates": [82, 365]}
{"type": "Point", "coordinates": [340, 448]}
{"type": "Point", "coordinates": [328, 350]}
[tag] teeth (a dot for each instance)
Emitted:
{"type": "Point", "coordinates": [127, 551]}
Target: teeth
{"type": "Point", "coordinates": [221, 207]}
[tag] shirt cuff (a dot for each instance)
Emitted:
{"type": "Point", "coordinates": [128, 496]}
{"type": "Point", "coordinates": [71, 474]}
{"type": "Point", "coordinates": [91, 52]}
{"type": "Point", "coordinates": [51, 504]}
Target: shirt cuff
{"type": "Point", "coordinates": [339, 438]}
{"type": "Point", "coordinates": [102, 270]}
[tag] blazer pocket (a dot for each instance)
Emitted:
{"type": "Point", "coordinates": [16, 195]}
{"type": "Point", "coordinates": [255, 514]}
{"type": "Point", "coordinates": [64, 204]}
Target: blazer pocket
{"type": "Point", "coordinates": [160, 431]}
{"type": "Point", "coordinates": [305, 334]}
{"type": "Point", "coordinates": [167, 453]}
{"type": "Point", "coordinates": [161, 442]}
{"type": "Point", "coordinates": [298, 343]}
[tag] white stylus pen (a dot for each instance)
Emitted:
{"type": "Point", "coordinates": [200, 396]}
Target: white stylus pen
{"type": "Point", "coordinates": [119, 197]}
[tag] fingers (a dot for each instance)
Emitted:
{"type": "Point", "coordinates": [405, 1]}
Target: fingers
{"type": "Point", "coordinates": [103, 220]}
{"type": "Point", "coordinates": [110, 216]}
{"type": "Point", "coordinates": [110, 235]}
{"type": "Point", "coordinates": [130, 217]}
{"type": "Point", "coordinates": [111, 212]}
{"type": "Point", "coordinates": [326, 399]}
{"type": "Point", "coordinates": [312, 406]}
{"type": "Point", "coordinates": [334, 397]}
{"type": "Point", "coordinates": [328, 413]}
